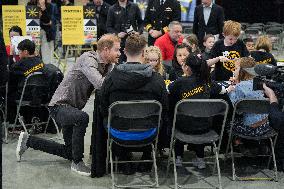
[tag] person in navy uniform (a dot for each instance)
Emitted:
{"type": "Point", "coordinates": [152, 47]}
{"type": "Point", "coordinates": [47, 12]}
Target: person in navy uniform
{"type": "Point", "coordinates": [159, 14]}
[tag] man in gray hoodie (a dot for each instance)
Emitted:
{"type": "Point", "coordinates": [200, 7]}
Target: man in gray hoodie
{"type": "Point", "coordinates": [68, 101]}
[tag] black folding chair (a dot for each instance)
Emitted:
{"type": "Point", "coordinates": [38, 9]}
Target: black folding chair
{"type": "Point", "coordinates": [200, 108]}
{"type": "Point", "coordinates": [274, 33]}
{"type": "Point", "coordinates": [35, 93]}
{"type": "Point", "coordinates": [255, 107]}
{"type": "Point", "coordinates": [133, 118]}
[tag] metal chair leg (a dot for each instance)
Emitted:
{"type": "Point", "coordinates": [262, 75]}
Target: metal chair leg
{"type": "Point", "coordinates": [233, 162]}
{"type": "Point", "coordinates": [22, 122]}
{"type": "Point", "coordinates": [111, 164]}
{"type": "Point", "coordinates": [175, 169]}
{"type": "Point", "coordinates": [218, 166]}
{"type": "Point", "coordinates": [274, 160]}
{"type": "Point", "coordinates": [155, 166]}
{"type": "Point", "coordinates": [107, 158]}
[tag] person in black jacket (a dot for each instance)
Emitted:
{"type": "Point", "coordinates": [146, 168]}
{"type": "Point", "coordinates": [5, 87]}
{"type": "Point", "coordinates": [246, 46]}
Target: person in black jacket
{"type": "Point", "coordinates": [262, 54]}
{"type": "Point", "coordinates": [124, 18]}
{"type": "Point", "coordinates": [208, 19]}
{"type": "Point", "coordinates": [195, 84]}
{"type": "Point", "coordinates": [101, 15]}
{"type": "Point", "coordinates": [3, 62]}
{"type": "Point", "coordinates": [27, 64]}
{"type": "Point", "coordinates": [133, 81]}
{"type": "Point", "coordinates": [158, 16]}
{"type": "Point", "coordinates": [276, 120]}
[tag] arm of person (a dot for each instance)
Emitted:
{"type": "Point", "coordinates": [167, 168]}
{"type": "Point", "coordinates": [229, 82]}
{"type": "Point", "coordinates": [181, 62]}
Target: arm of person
{"type": "Point", "coordinates": [148, 18]}
{"type": "Point", "coordinates": [162, 49]}
{"type": "Point", "coordinates": [221, 19]}
{"type": "Point", "coordinates": [213, 61]}
{"type": "Point", "coordinates": [139, 20]}
{"type": "Point", "coordinates": [236, 94]}
{"type": "Point", "coordinates": [195, 22]}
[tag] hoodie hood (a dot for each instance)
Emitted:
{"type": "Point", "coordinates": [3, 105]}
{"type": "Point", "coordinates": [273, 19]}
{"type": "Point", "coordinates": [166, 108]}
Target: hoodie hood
{"type": "Point", "coordinates": [131, 76]}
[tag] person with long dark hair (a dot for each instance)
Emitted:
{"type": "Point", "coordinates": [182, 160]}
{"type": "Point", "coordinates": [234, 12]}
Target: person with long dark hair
{"type": "Point", "coordinates": [195, 84]}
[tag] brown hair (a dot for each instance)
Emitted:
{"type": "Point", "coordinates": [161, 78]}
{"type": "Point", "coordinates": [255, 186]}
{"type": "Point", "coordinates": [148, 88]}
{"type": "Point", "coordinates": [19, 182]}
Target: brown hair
{"type": "Point", "coordinates": [153, 49]}
{"type": "Point", "coordinates": [192, 39]}
{"type": "Point", "coordinates": [107, 41]}
{"type": "Point", "coordinates": [135, 44]}
{"type": "Point", "coordinates": [263, 42]}
{"type": "Point", "coordinates": [245, 62]}
{"type": "Point", "coordinates": [207, 37]}
{"type": "Point", "coordinates": [232, 28]}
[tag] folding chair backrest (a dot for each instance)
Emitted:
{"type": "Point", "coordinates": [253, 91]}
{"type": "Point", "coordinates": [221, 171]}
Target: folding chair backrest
{"type": "Point", "coordinates": [130, 115]}
{"type": "Point", "coordinates": [201, 107]}
{"type": "Point", "coordinates": [252, 106]}
{"type": "Point", "coordinates": [35, 88]}
{"type": "Point", "coordinates": [274, 30]}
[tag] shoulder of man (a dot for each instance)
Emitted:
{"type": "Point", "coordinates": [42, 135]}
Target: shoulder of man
{"type": "Point", "coordinates": [90, 57]}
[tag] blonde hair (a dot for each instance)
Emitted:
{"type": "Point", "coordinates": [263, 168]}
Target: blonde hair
{"type": "Point", "coordinates": [245, 62]}
{"type": "Point", "coordinates": [232, 28]}
{"type": "Point", "coordinates": [263, 42]}
{"type": "Point", "coordinates": [107, 41]}
{"type": "Point", "coordinates": [153, 49]}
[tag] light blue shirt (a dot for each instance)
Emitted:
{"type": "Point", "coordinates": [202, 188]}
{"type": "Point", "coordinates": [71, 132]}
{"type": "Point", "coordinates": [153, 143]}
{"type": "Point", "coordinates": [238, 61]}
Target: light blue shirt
{"type": "Point", "coordinates": [206, 12]}
{"type": "Point", "coordinates": [243, 90]}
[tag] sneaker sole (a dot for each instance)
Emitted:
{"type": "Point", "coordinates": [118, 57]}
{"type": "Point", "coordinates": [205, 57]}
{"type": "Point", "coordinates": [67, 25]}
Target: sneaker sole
{"type": "Point", "coordinates": [18, 149]}
{"type": "Point", "coordinates": [81, 173]}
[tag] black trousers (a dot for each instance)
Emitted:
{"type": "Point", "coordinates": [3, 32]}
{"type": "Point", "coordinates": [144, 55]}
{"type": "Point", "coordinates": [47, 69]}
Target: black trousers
{"type": "Point", "coordinates": [74, 123]}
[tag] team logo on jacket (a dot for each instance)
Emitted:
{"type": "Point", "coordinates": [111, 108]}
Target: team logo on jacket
{"type": "Point", "coordinates": [168, 9]}
{"type": "Point", "coordinates": [231, 55]}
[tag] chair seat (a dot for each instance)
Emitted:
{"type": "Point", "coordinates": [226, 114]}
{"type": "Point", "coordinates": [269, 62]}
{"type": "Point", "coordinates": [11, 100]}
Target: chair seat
{"type": "Point", "coordinates": [208, 137]}
{"type": "Point", "coordinates": [267, 135]}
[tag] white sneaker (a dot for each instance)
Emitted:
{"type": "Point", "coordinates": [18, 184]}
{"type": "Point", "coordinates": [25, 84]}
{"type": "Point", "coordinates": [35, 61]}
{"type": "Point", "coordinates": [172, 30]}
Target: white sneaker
{"type": "Point", "coordinates": [81, 168]}
{"type": "Point", "coordinates": [22, 145]}
{"type": "Point", "coordinates": [199, 163]}
{"type": "Point", "coordinates": [179, 161]}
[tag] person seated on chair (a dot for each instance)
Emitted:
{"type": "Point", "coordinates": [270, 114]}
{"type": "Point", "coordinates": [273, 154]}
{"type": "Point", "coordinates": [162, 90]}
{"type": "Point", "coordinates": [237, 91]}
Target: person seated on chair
{"type": "Point", "coordinates": [133, 81]}
{"type": "Point", "coordinates": [261, 54]}
{"type": "Point", "coordinates": [195, 84]}
{"type": "Point", "coordinates": [68, 101]}
{"type": "Point", "coordinates": [19, 71]}
{"type": "Point", "coordinates": [248, 124]}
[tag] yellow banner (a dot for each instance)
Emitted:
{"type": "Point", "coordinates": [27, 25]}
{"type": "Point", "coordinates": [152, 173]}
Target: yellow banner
{"type": "Point", "coordinates": [72, 25]}
{"type": "Point", "coordinates": [13, 15]}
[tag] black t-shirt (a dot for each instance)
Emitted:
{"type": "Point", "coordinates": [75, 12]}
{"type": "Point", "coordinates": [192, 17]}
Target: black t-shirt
{"type": "Point", "coordinates": [263, 57]}
{"type": "Point", "coordinates": [223, 71]}
{"type": "Point", "coordinates": [191, 88]}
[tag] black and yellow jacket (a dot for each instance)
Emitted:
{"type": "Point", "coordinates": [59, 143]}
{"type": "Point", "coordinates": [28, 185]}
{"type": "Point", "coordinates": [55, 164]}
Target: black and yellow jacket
{"type": "Point", "coordinates": [20, 70]}
{"type": "Point", "coordinates": [190, 87]}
